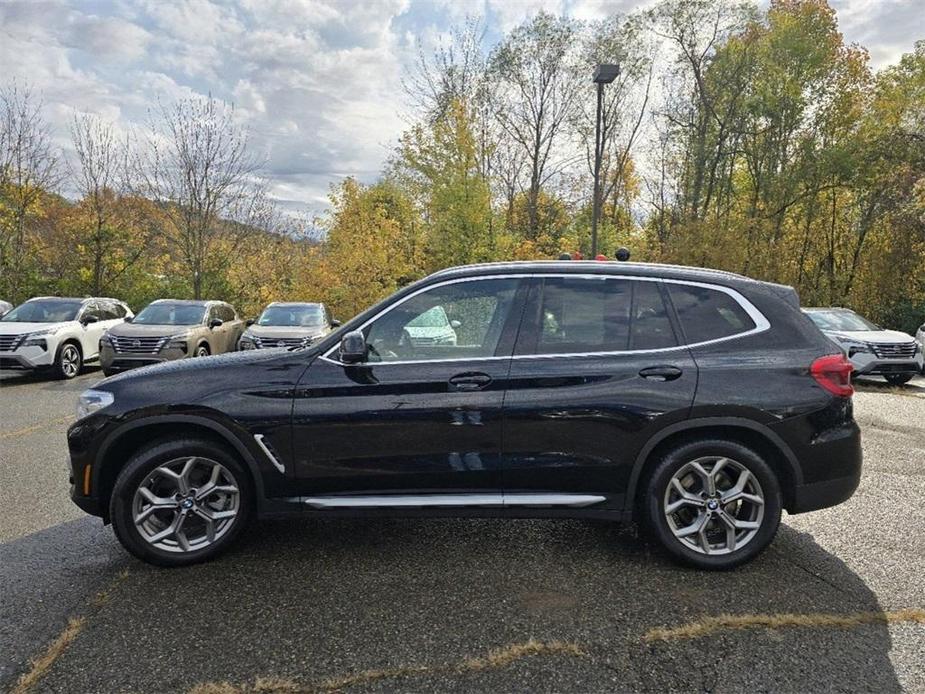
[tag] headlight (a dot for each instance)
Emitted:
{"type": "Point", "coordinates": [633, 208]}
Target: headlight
{"type": "Point", "coordinates": [91, 401]}
{"type": "Point", "coordinates": [106, 340]}
{"type": "Point", "coordinates": [853, 347]}
{"type": "Point", "coordinates": [37, 338]}
{"type": "Point", "coordinates": [177, 342]}
{"type": "Point", "coordinates": [246, 342]}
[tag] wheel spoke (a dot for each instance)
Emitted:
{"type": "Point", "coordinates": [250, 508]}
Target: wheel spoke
{"type": "Point", "coordinates": [708, 485]}
{"type": "Point", "coordinates": [210, 524]}
{"type": "Point", "coordinates": [183, 479]}
{"type": "Point", "coordinates": [737, 492]}
{"type": "Point", "coordinates": [685, 498]}
{"type": "Point", "coordinates": [155, 503]}
{"type": "Point", "coordinates": [171, 530]}
{"type": "Point", "coordinates": [212, 514]}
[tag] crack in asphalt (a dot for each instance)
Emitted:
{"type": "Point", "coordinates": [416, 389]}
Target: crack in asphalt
{"type": "Point", "coordinates": [40, 664]}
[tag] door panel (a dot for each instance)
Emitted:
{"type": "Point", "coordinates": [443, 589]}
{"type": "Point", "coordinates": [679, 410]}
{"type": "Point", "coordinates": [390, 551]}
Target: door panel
{"type": "Point", "coordinates": [423, 414]}
{"type": "Point", "coordinates": [574, 422]}
{"type": "Point", "coordinates": [398, 427]}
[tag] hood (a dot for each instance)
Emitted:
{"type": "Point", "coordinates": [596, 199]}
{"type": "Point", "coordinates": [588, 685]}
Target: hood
{"type": "Point", "coordinates": [878, 337]}
{"type": "Point", "coordinates": [12, 328]}
{"type": "Point", "coordinates": [187, 369]}
{"type": "Point", "coordinates": [285, 331]}
{"type": "Point", "coordinates": [133, 330]}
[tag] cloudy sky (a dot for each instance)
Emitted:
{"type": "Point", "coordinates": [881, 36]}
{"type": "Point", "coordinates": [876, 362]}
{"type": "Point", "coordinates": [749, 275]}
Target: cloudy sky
{"type": "Point", "coordinates": [318, 82]}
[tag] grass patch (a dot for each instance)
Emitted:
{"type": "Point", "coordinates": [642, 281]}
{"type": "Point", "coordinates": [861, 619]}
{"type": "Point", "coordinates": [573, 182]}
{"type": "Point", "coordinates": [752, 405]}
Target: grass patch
{"type": "Point", "coordinates": [494, 659]}
{"type": "Point", "coordinates": [728, 622]}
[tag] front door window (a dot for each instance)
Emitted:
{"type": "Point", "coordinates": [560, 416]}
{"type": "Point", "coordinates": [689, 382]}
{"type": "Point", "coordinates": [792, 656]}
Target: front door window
{"type": "Point", "coordinates": [458, 321]}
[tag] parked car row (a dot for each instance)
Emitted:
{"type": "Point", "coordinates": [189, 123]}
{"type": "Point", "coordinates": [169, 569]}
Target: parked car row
{"type": "Point", "coordinates": [873, 351]}
{"type": "Point", "coordinates": [62, 334]}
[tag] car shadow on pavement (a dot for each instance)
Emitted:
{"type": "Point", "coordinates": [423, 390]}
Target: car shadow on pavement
{"type": "Point", "coordinates": [13, 379]}
{"type": "Point", "coordinates": [417, 604]}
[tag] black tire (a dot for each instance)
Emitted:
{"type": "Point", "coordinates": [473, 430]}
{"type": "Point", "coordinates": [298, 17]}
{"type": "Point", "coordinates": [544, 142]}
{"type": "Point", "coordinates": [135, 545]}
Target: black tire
{"type": "Point", "coordinates": [68, 361]}
{"type": "Point", "coordinates": [138, 470]}
{"type": "Point", "coordinates": [202, 350]}
{"type": "Point", "coordinates": [108, 372]}
{"type": "Point", "coordinates": [657, 522]}
{"type": "Point", "coordinates": [898, 379]}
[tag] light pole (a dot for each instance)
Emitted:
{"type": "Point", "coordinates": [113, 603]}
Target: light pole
{"type": "Point", "coordinates": [603, 74]}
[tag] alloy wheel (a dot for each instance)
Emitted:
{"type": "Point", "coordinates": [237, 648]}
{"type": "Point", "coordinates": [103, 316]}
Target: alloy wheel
{"type": "Point", "coordinates": [186, 504]}
{"type": "Point", "coordinates": [70, 361]}
{"type": "Point", "coordinates": [714, 505]}
{"type": "Point", "coordinates": [202, 351]}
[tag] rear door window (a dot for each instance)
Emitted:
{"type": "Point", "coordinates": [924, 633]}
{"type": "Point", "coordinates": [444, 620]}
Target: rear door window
{"type": "Point", "coordinates": [584, 314]}
{"type": "Point", "coordinates": [708, 314]}
{"type": "Point", "coordinates": [651, 326]}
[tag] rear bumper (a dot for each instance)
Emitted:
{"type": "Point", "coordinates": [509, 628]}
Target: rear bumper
{"type": "Point", "coordinates": [812, 497]}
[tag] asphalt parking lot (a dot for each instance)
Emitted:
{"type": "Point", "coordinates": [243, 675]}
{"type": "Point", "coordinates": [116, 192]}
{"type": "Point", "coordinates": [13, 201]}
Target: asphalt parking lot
{"type": "Point", "coordinates": [837, 603]}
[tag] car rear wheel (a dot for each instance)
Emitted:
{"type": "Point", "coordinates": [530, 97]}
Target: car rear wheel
{"type": "Point", "coordinates": [180, 502]}
{"type": "Point", "coordinates": [898, 379]}
{"type": "Point", "coordinates": [713, 504]}
{"type": "Point", "coordinates": [69, 361]}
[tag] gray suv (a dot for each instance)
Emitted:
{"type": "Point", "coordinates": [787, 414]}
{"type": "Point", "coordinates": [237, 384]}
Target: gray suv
{"type": "Point", "coordinates": [169, 329]}
{"type": "Point", "coordinates": [287, 325]}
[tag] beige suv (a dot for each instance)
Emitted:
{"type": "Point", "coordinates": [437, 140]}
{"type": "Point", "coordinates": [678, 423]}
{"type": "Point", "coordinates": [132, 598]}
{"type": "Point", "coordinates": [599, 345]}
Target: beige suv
{"type": "Point", "coordinates": [169, 329]}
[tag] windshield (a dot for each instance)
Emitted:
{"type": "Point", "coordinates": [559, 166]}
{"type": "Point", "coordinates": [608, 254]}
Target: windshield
{"type": "Point", "coordinates": [44, 311]}
{"type": "Point", "coordinates": [844, 321]}
{"type": "Point", "coordinates": [431, 318]}
{"type": "Point", "coordinates": [292, 316]}
{"type": "Point", "coordinates": [170, 314]}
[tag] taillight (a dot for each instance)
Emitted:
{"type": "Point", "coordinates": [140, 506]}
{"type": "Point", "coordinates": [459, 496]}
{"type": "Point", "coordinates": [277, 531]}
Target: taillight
{"type": "Point", "coordinates": [833, 372]}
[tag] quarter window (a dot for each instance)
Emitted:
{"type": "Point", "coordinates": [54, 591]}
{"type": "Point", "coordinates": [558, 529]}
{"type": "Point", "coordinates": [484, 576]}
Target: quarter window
{"type": "Point", "coordinates": [708, 314]}
{"type": "Point", "coordinates": [462, 320]}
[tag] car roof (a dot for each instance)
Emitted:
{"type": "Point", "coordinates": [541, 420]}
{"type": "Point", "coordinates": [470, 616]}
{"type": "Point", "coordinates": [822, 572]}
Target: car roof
{"type": "Point", "coordinates": [295, 303]}
{"type": "Point", "coordinates": [82, 299]}
{"type": "Point", "coordinates": [585, 267]}
{"type": "Point", "coordinates": [188, 302]}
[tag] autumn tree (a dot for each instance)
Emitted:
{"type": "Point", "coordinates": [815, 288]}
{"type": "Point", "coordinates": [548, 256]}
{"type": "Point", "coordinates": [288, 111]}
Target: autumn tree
{"type": "Point", "coordinates": [199, 169]}
{"type": "Point", "coordinates": [536, 68]}
{"type": "Point", "coordinates": [29, 171]}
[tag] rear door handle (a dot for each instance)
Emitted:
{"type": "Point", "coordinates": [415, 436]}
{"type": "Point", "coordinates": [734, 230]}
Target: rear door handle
{"type": "Point", "coordinates": [469, 381]}
{"type": "Point", "coordinates": [661, 373]}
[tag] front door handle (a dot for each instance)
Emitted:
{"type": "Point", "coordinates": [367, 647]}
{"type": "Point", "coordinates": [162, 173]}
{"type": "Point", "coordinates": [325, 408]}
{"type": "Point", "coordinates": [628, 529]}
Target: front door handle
{"type": "Point", "coordinates": [661, 373]}
{"type": "Point", "coordinates": [470, 381]}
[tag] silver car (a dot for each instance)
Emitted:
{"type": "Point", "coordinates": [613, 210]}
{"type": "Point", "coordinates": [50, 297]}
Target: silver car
{"type": "Point", "coordinates": [169, 329]}
{"type": "Point", "coordinates": [287, 324]}
{"type": "Point", "coordinates": [872, 350]}
{"type": "Point", "coordinates": [5, 308]}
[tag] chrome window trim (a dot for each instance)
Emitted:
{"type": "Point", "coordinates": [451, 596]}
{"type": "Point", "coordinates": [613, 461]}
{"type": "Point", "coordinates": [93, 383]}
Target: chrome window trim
{"type": "Point", "coordinates": [761, 322]}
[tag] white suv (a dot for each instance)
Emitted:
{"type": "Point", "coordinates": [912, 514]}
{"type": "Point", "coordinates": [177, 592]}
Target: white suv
{"type": "Point", "coordinates": [57, 333]}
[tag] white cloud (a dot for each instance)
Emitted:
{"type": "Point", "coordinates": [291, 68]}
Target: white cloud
{"type": "Point", "coordinates": [318, 82]}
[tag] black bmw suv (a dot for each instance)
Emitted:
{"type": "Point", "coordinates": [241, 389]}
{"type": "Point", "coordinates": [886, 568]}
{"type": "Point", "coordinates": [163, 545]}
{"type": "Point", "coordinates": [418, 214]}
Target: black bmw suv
{"type": "Point", "coordinates": [697, 402]}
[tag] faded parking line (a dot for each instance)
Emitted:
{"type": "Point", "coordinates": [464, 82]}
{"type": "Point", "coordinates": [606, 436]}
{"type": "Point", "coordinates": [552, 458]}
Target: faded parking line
{"type": "Point", "coordinates": [35, 427]}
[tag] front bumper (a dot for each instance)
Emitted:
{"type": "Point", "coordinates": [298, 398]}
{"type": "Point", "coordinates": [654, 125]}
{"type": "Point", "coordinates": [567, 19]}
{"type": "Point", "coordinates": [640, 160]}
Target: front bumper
{"type": "Point", "coordinates": [113, 361]}
{"type": "Point", "coordinates": [866, 364]}
{"type": "Point", "coordinates": [27, 358]}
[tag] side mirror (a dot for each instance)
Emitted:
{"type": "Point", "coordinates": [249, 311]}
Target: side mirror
{"type": "Point", "coordinates": [335, 323]}
{"type": "Point", "coordinates": [129, 319]}
{"type": "Point", "coordinates": [353, 348]}
{"type": "Point", "coordinates": [455, 324]}
{"type": "Point", "coordinates": [250, 321]}
{"type": "Point", "coordinates": [87, 320]}
{"type": "Point", "coordinates": [215, 323]}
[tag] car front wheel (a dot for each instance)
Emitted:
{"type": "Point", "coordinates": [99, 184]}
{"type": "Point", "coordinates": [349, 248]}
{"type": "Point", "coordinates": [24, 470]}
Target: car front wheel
{"type": "Point", "coordinates": [898, 379]}
{"type": "Point", "coordinates": [69, 361]}
{"type": "Point", "coordinates": [180, 502]}
{"type": "Point", "coordinates": [713, 504]}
